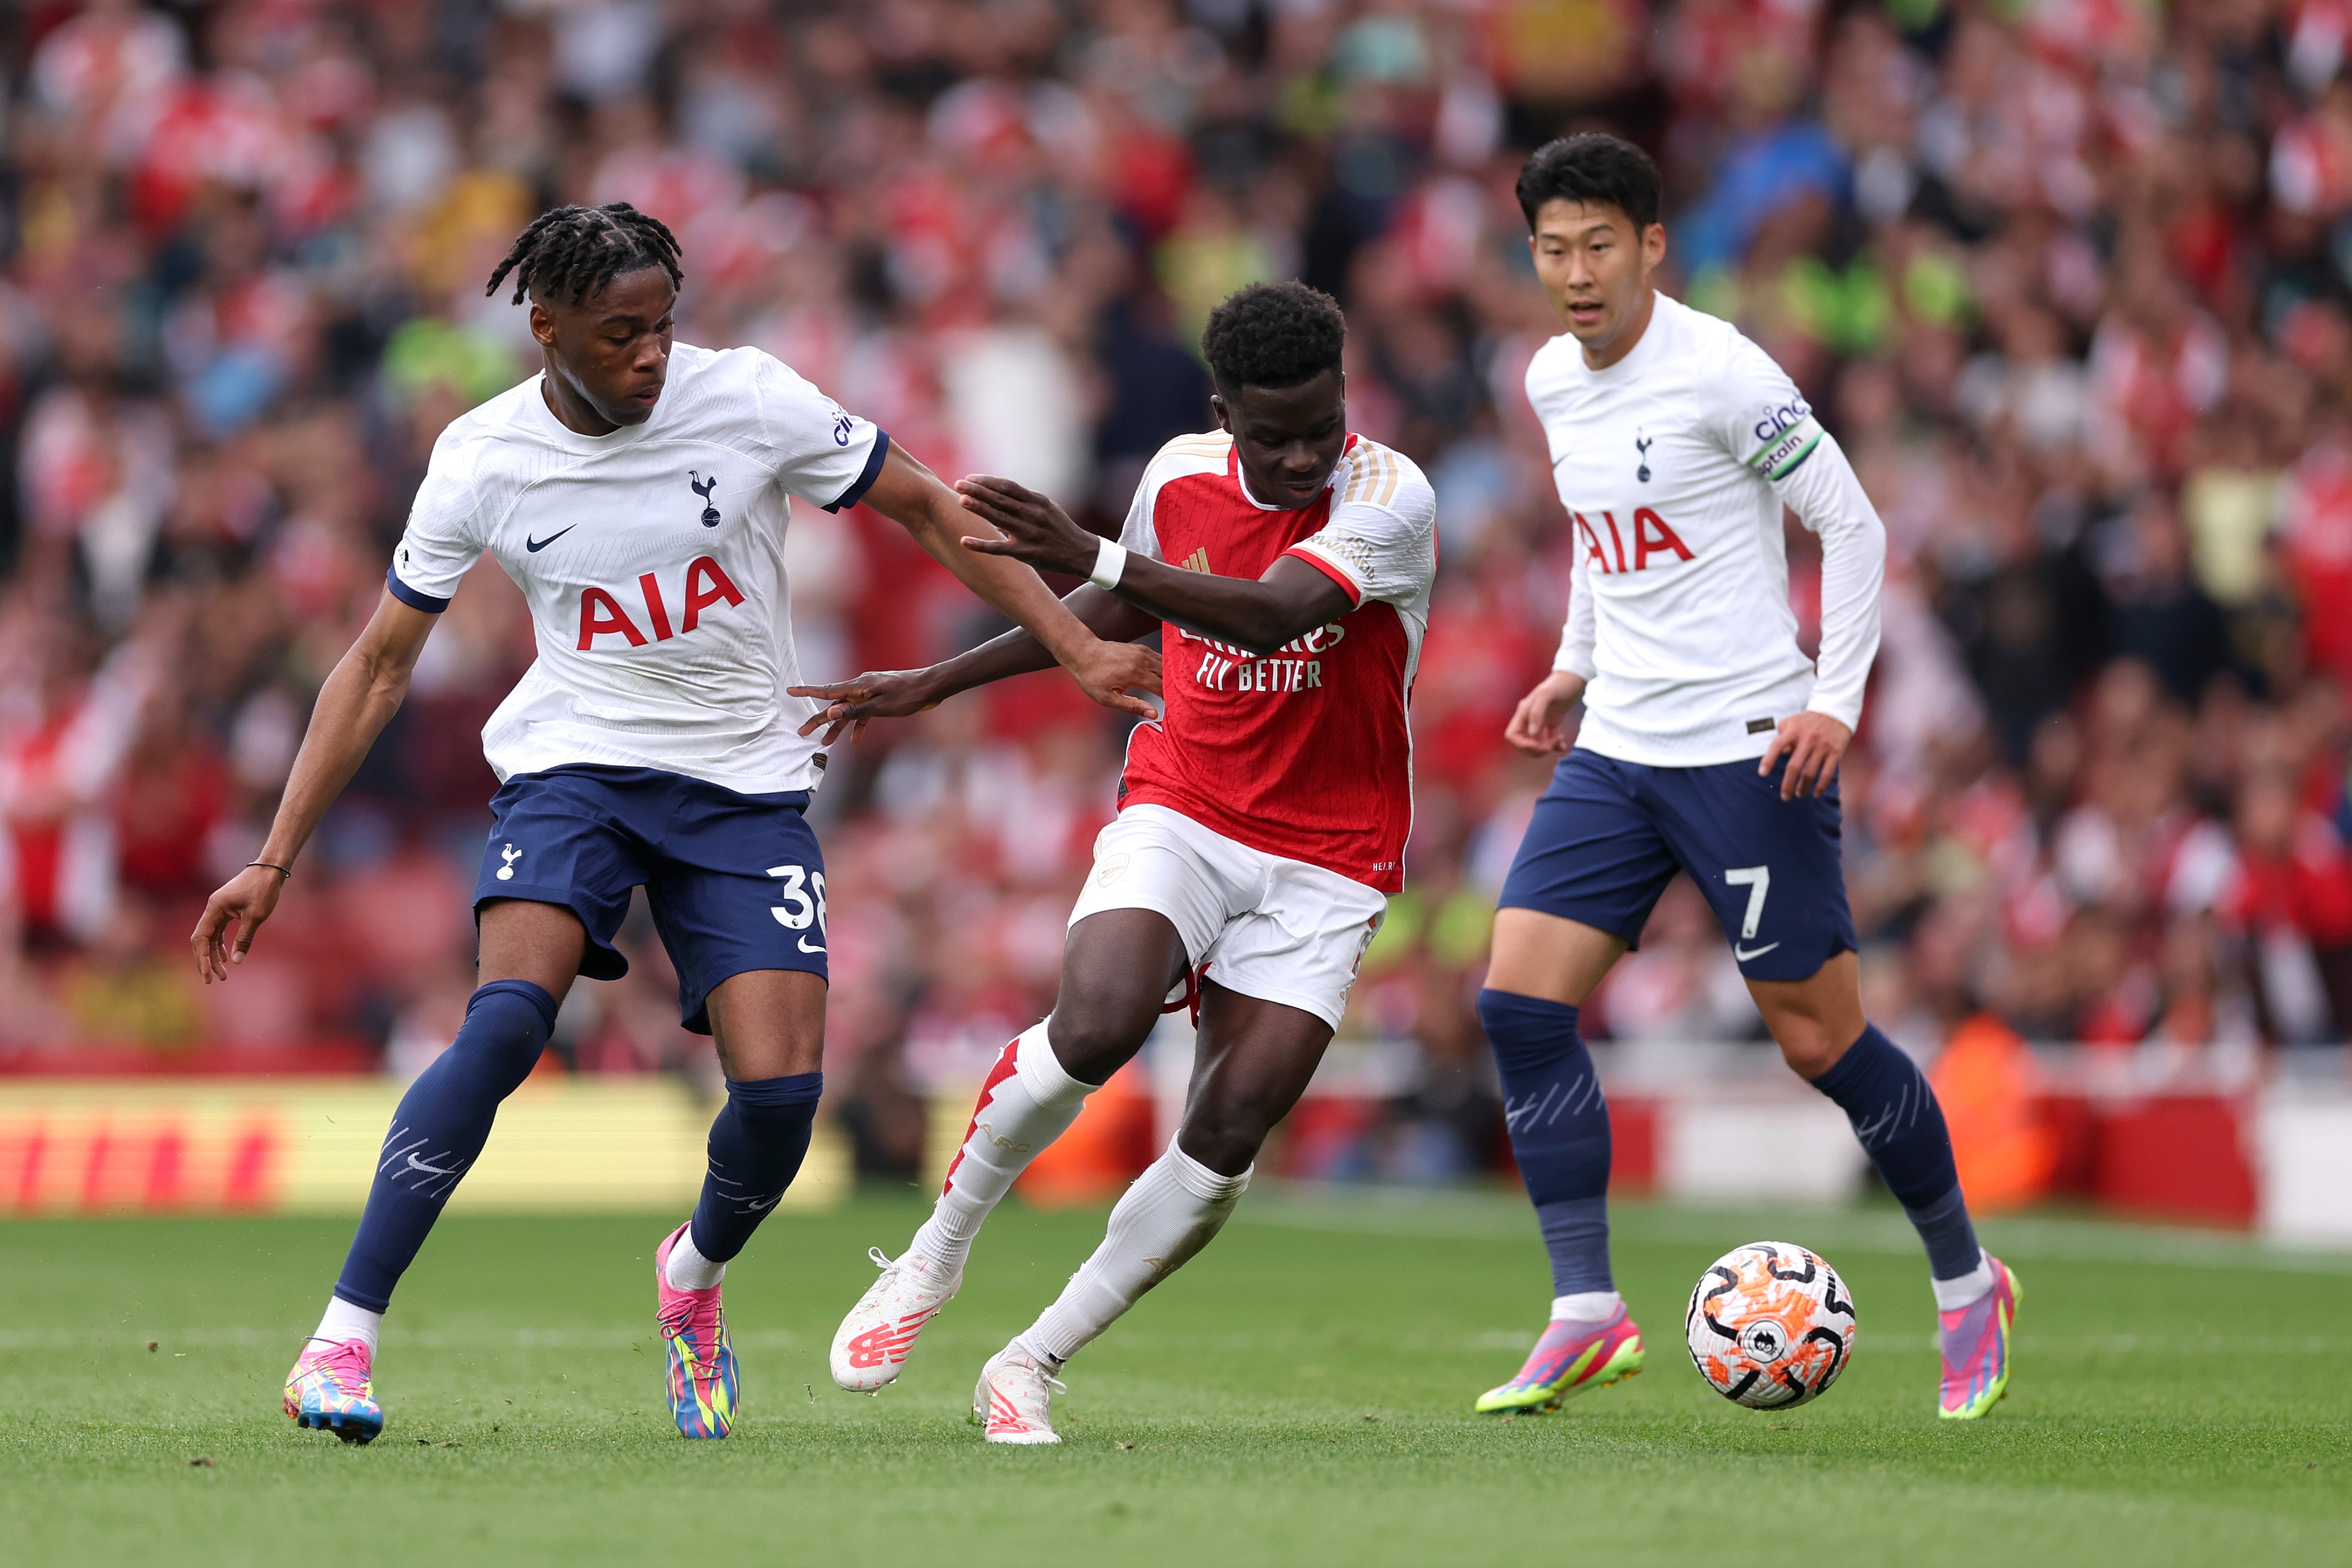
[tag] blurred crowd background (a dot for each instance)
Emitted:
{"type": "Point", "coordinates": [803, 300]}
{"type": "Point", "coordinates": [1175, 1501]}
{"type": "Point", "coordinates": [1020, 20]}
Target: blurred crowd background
{"type": "Point", "coordinates": [2071, 280]}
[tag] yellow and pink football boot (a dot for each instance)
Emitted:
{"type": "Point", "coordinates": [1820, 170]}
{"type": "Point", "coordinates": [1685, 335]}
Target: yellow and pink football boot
{"type": "Point", "coordinates": [1570, 1358]}
{"type": "Point", "coordinates": [1975, 1343]}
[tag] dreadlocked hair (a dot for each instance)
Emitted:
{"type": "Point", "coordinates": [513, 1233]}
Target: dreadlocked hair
{"type": "Point", "coordinates": [575, 251]}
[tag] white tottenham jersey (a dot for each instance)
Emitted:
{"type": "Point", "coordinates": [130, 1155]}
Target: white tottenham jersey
{"type": "Point", "coordinates": [1674, 464]}
{"type": "Point", "coordinates": [654, 562]}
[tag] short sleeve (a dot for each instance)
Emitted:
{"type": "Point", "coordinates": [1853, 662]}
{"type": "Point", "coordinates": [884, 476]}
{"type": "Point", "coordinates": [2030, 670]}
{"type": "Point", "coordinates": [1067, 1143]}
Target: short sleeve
{"type": "Point", "coordinates": [1137, 534]}
{"type": "Point", "coordinates": [1381, 540]}
{"type": "Point", "coordinates": [816, 451]}
{"type": "Point", "coordinates": [1761, 417]}
{"type": "Point", "coordinates": [442, 540]}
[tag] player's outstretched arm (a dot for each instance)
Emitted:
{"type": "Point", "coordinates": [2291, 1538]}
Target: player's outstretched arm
{"type": "Point", "coordinates": [912, 497]}
{"type": "Point", "coordinates": [895, 694]}
{"type": "Point", "coordinates": [360, 696]}
{"type": "Point", "coordinates": [1291, 599]}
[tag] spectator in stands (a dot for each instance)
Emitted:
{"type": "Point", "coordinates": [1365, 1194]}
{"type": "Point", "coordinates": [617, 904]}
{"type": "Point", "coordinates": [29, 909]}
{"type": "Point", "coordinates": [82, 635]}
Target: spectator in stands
{"type": "Point", "coordinates": [2066, 281]}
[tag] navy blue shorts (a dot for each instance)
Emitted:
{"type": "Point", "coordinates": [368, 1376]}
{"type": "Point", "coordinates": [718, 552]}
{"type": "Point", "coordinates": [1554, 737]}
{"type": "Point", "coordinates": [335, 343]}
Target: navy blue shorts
{"type": "Point", "coordinates": [1608, 836]}
{"type": "Point", "coordinates": [736, 882]}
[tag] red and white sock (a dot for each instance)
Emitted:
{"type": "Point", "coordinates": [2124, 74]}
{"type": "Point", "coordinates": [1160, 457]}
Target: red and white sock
{"type": "Point", "coordinates": [1028, 1101]}
{"type": "Point", "coordinates": [1174, 1210]}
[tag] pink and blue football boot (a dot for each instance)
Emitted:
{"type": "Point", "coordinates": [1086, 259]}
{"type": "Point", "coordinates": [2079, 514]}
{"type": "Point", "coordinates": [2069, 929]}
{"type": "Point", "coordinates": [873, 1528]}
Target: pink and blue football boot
{"type": "Point", "coordinates": [330, 1391]}
{"type": "Point", "coordinates": [702, 1387]}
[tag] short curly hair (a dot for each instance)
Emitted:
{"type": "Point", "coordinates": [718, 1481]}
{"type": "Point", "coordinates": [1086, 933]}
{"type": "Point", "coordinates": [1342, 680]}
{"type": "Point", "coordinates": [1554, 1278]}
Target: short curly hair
{"type": "Point", "coordinates": [1273, 335]}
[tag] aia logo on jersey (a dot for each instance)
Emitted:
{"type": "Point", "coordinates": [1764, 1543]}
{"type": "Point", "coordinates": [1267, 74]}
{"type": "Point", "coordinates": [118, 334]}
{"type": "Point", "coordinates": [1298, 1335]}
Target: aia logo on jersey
{"type": "Point", "coordinates": [1652, 537]}
{"type": "Point", "coordinates": [601, 613]}
{"type": "Point", "coordinates": [702, 487]}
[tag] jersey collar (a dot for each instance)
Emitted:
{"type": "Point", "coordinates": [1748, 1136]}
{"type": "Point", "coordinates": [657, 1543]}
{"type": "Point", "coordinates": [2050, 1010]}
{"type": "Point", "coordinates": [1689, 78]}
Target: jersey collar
{"type": "Point", "coordinates": [1241, 481]}
{"type": "Point", "coordinates": [1644, 348]}
{"type": "Point", "coordinates": [570, 440]}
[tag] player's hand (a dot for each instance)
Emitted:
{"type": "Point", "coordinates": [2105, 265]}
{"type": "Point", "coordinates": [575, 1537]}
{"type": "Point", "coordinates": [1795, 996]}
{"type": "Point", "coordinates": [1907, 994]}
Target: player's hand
{"type": "Point", "coordinates": [1814, 744]}
{"type": "Point", "coordinates": [1537, 725]}
{"type": "Point", "coordinates": [1112, 673]}
{"type": "Point", "coordinates": [244, 902]}
{"type": "Point", "coordinates": [1036, 530]}
{"type": "Point", "coordinates": [879, 694]}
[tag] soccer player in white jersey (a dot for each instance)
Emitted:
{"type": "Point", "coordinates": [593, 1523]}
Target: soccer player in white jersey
{"type": "Point", "coordinates": [1709, 744]}
{"type": "Point", "coordinates": [637, 491]}
{"type": "Point", "coordinates": [1287, 564]}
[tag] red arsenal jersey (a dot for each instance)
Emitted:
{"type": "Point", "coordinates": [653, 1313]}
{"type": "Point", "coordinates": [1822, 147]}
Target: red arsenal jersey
{"type": "Point", "coordinates": [1303, 752]}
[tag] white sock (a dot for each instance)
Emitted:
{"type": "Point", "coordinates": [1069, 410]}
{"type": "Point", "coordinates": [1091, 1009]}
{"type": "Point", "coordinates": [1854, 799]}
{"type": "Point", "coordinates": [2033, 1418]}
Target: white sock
{"type": "Point", "coordinates": [1171, 1212]}
{"type": "Point", "coordinates": [1951, 1295]}
{"type": "Point", "coordinates": [1586, 1307]}
{"type": "Point", "coordinates": [344, 1321]}
{"type": "Point", "coordinates": [687, 1269]}
{"type": "Point", "coordinates": [1020, 1112]}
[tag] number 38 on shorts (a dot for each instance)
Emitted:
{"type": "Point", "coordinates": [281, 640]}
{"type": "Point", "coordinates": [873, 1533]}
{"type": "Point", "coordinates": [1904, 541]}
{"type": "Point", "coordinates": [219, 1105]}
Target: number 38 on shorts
{"type": "Point", "coordinates": [803, 892]}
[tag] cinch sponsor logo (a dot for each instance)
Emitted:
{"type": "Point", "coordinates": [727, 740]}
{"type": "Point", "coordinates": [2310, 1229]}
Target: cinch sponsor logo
{"type": "Point", "coordinates": [705, 584]}
{"type": "Point", "coordinates": [1653, 535]}
{"type": "Point", "coordinates": [1787, 416]}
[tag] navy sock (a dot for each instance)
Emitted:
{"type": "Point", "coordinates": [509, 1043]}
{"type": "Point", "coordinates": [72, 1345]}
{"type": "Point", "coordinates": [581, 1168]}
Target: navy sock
{"type": "Point", "coordinates": [439, 1130]}
{"type": "Point", "coordinates": [1894, 1111]}
{"type": "Point", "coordinates": [1559, 1122]}
{"type": "Point", "coordinates": [757, 1144]}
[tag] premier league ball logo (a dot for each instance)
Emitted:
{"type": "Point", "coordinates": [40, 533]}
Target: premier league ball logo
{"type": "Point", "coordinates": [1769, 1325]}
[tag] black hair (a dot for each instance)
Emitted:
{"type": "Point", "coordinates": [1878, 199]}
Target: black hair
{"type": "Point", "coordinates": [575, 251]}
{"type": "Point", "coordinates": [1273, 335]}
{"type": "Point", "coordinates": [1593, 167]}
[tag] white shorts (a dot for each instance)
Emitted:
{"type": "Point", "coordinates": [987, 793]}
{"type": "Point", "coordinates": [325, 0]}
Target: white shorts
{"type": "Point", "coordinates": [1277, 929]}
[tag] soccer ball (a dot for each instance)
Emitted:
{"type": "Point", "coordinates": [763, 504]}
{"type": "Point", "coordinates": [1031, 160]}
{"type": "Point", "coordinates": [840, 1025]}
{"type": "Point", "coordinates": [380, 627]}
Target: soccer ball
{"type": "Point", "coordinates": [1770, 1326]}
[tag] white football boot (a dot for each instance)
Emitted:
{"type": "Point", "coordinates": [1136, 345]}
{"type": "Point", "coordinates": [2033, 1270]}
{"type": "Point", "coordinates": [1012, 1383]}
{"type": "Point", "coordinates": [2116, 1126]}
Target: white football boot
{"type": "Point", "coordinates": [1013, 1401]}
{"type": "Point", "coordinates": [869, 1349]}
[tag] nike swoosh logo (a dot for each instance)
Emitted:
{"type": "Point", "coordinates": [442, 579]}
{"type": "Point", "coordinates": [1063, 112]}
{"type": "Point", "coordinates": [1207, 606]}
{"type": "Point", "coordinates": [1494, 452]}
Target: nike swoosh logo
{"type": "Point", "coordinates": [806, 948]}
{"type": "Point", "coordinates": [1743, 955]}
{"type": "Point", "coordinates": [535, 545]}
{"type": "Point", "coordinates": [416, 1165]}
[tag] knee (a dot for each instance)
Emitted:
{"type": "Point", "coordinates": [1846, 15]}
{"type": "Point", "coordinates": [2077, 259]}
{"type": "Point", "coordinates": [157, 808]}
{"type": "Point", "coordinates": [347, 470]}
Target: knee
{"type": "Point", "coordinates": [1228, 1148]}
{"type": "Point", "coordinates": [1093, 1041]}
{"type": "Point", "coordinates": [1529, 1034]}
{"type": "Point", "coordinates": [506, 1029]}
{"type": "Point", "coordinates": [1808, 1046]}
{"type": "Point", "coordinates": [775, 1107]}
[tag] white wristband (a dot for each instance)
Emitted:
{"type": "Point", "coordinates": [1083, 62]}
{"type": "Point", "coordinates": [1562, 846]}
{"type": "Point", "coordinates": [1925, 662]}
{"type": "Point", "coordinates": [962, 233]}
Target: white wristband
{"type": "Point", "coordinates": [1110, 565]}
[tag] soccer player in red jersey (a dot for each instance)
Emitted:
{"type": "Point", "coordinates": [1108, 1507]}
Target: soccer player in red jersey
{"type": "Point", "coordinates": [1262, 823]}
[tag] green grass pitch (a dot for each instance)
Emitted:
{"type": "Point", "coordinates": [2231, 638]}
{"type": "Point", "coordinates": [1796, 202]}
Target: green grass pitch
{"type": "Point", "coordinates": [1298, 1394]}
